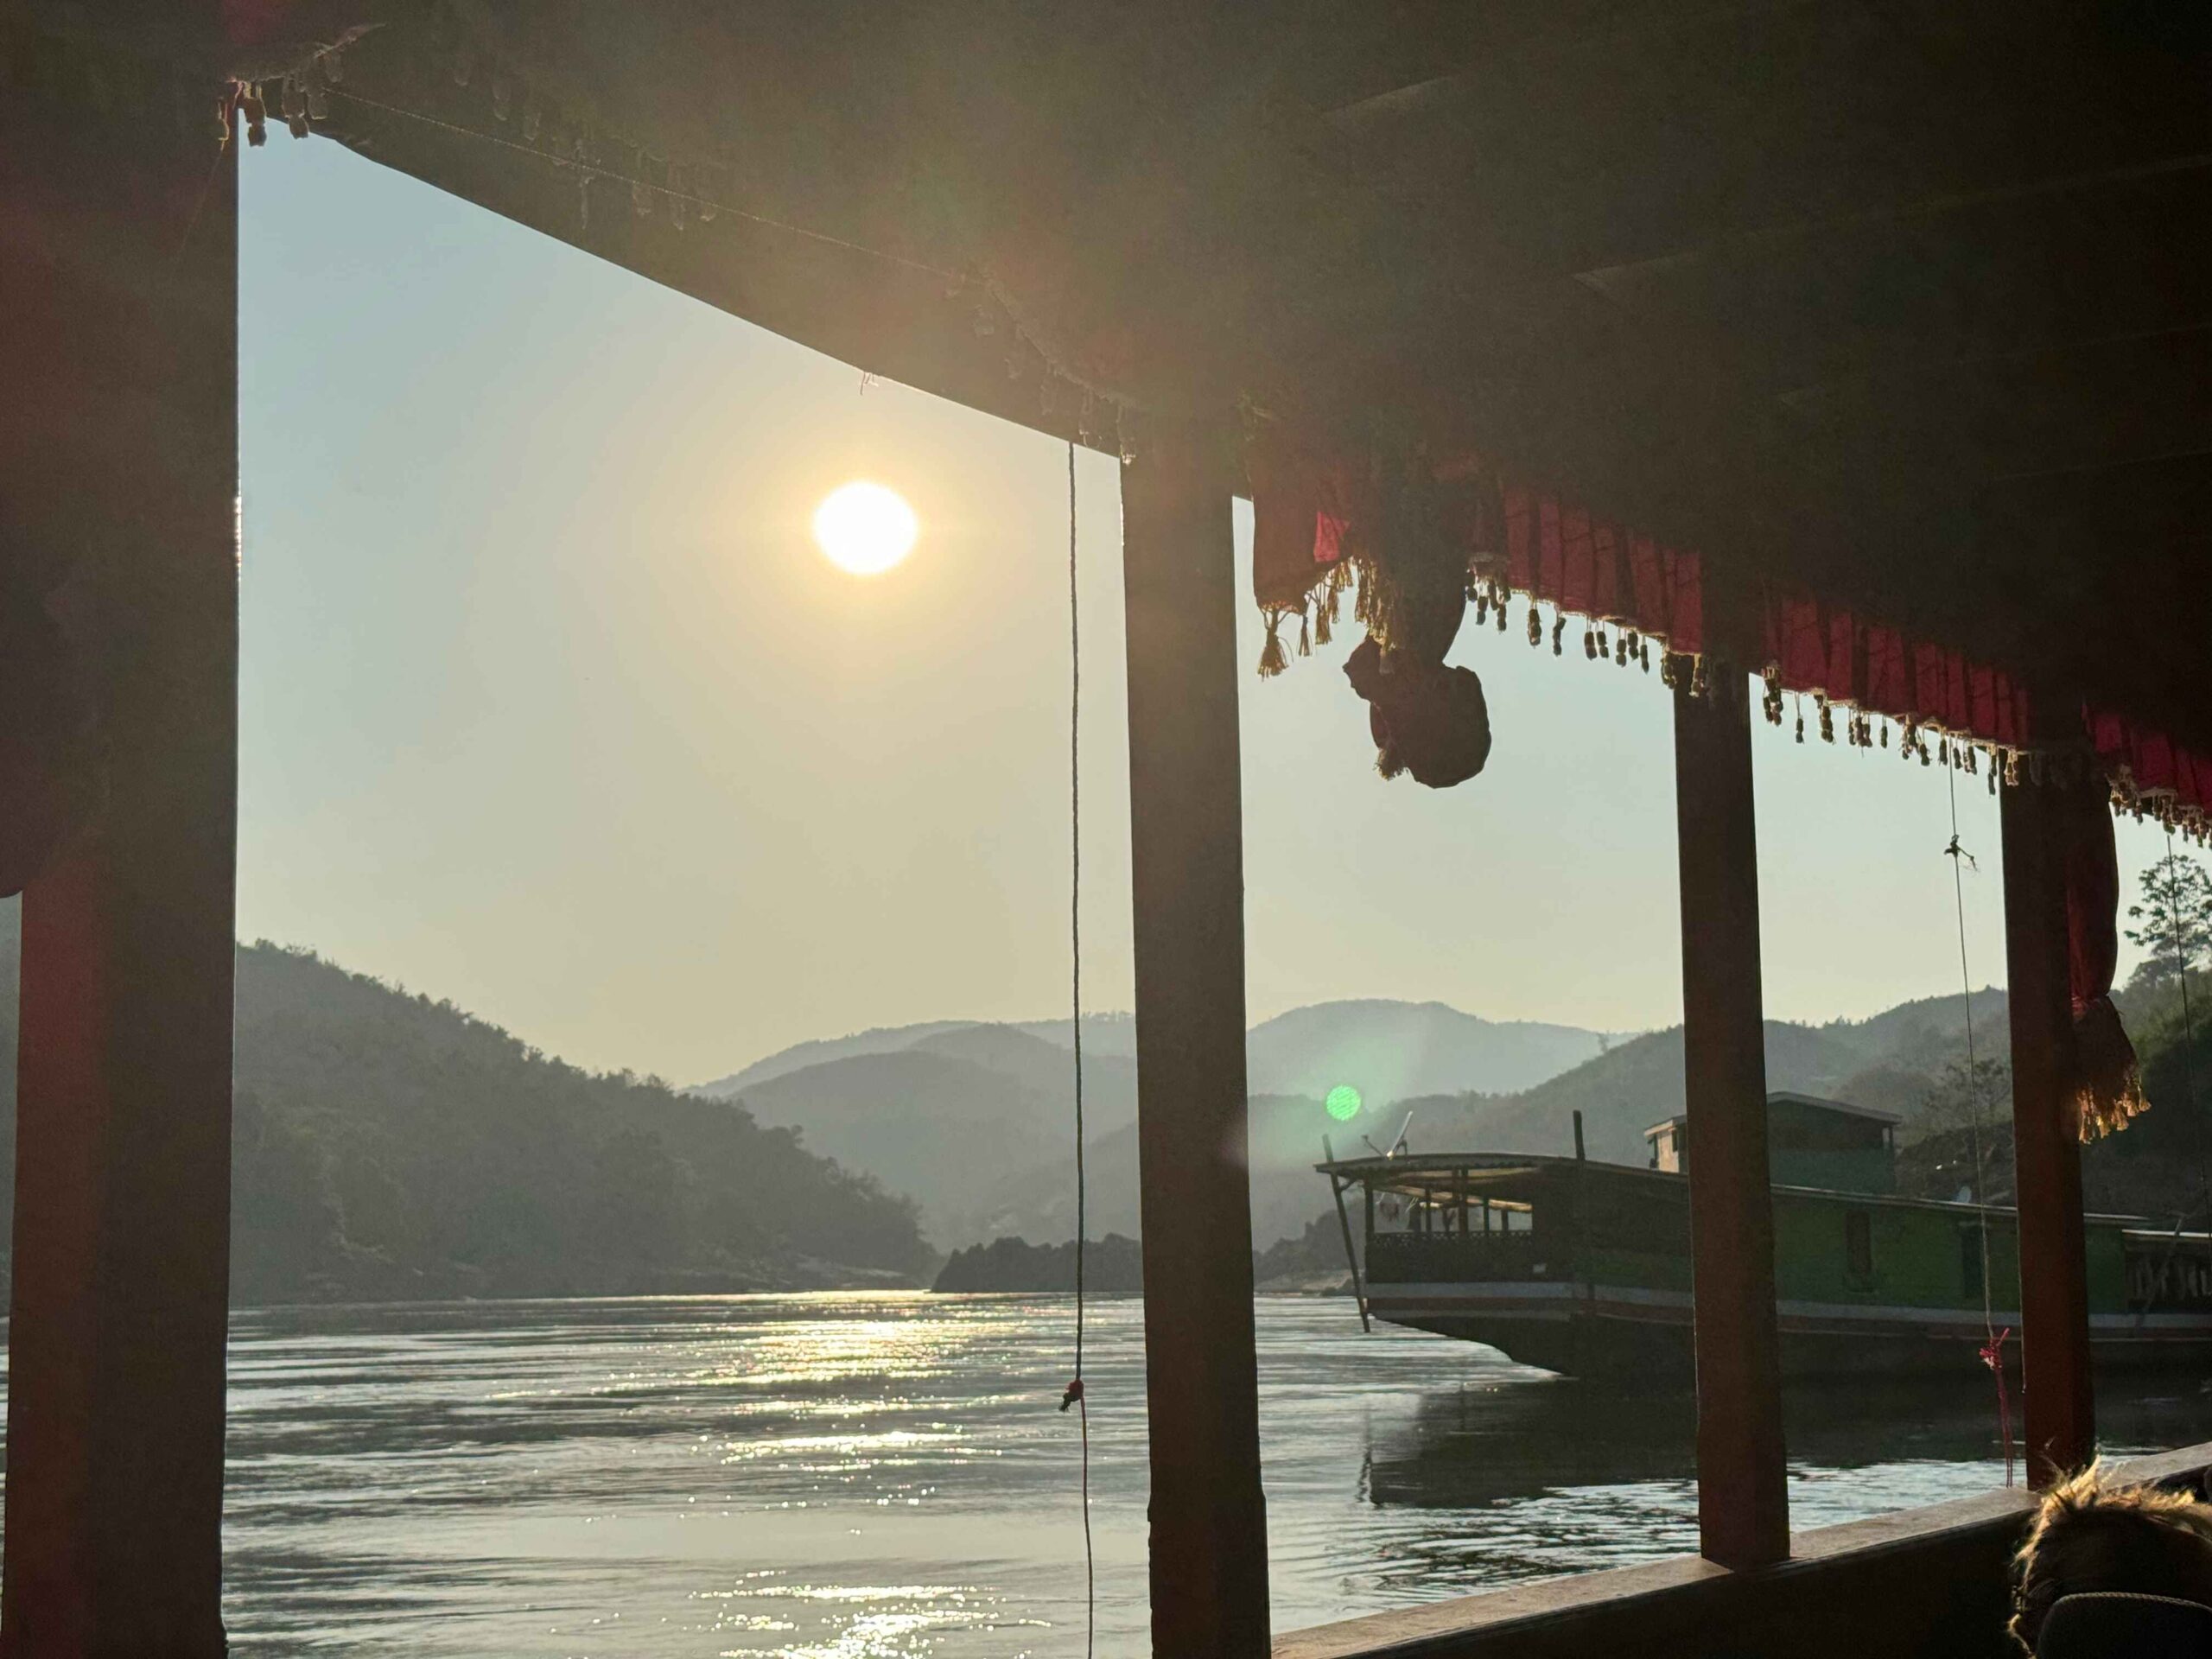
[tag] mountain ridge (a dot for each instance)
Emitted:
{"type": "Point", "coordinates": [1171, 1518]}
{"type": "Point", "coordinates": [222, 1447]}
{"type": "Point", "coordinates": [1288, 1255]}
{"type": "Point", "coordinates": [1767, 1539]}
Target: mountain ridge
{"type": "Point", "coordinates": [1621, 1092]}
{"type": "Point", "coordinates": [1113, 1033]}
{"type": "Point", "coordinates": [984, 1150]}
{"type": "Point", "coordinates": [386, 1147]}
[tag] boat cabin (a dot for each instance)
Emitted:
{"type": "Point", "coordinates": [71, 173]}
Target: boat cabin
{"type": "Point", "coordinates": [1585, 1268]}
{"type": "Point", "coordinates": [1809, 1142]}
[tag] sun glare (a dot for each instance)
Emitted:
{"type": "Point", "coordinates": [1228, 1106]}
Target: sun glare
{"type": "Point", "coordinates": [864, 527]}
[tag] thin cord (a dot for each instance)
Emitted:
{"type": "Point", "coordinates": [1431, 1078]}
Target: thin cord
{"type": "Point", "coordinates": [199, 206]}
{"type": "Point", "coordinates": [1074, 1395]}
{"type": "Point", "coordinates": [1992, 1354]}
{"type": "Point", "coordinates": [1959, 855]}
{"type": "Point", "coordinates": [1075, 893]}
{"type": "Point", "coordinates": [1075, 940]}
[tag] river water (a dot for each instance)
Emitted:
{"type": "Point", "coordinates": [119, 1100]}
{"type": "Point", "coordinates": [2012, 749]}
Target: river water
{"type": "Point", "coordinates": [874, 1477]}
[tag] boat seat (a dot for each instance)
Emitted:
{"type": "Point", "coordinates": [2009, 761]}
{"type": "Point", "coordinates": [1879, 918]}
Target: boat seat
{"type": "Point", "coordinates": [2117, 1625]}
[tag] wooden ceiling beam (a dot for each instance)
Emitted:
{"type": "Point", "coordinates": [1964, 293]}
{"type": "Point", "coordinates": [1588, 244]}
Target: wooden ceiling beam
{"type": "Point", "coordinates": [1153, 185]}
{"type": "Point", "coordinates": [1893, 372]}
{"type": "Point", "coordinates": [2141, 399]}
{"type": "Point", "coordinates": [1749, 239]}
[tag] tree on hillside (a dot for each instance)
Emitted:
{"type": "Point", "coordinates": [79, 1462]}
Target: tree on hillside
{"type": "Point", "coordinates": [389, 1146]}
{"type": "Point", "coordinates": [2173, 922]}
{"type": "Point", "coordinates": [634, 1215]}
{"type": "Point", "coordinates": [1960, 1137]}
{"type": "Point", "coordinates": [1959, 1098]}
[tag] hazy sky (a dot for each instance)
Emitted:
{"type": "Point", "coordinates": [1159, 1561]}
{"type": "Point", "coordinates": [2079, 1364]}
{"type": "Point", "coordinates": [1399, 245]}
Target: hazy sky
{"type": "Point", "coordinates": [550, 706]}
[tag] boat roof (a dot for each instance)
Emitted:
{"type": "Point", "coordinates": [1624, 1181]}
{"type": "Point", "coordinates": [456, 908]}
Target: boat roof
{"type": "Point", "coordinates": [1841, 1107]}
{"type": "Point", "coordinates": [1848, 1109]}
{"type": "Point", "coordinates": [1436, 1175]}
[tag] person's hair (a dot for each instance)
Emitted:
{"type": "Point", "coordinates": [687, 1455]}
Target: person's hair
{"type": "Point", "coordinates": [2092, 1534]}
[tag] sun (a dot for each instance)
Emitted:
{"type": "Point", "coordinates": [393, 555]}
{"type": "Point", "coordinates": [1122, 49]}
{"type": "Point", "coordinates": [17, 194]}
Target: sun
{"type": "Point", "coordinates": [864, 527]}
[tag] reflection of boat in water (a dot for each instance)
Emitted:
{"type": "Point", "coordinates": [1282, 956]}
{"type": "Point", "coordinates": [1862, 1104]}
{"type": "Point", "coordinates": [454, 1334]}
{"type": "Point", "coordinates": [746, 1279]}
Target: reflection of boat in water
{"type": "Point", "coordinates": [1584, 1267]}
{"type": "Point", "coordinates": [1520, 1437]}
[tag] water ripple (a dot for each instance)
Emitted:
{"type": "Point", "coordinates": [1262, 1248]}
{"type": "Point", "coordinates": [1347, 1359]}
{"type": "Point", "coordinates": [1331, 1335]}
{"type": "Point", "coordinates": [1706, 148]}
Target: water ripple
{"type": "Point", "coordinates": [886, 1477]}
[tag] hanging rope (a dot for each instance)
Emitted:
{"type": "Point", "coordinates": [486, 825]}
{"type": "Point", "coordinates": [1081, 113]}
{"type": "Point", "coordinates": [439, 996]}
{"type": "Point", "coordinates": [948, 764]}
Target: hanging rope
{"type": "Point", "coordinates": [1993, 1351]}
{"type": "Point", "coordinates": [1992, 1354]}
{"type": "Point", "coordinates": [1074, 1397]}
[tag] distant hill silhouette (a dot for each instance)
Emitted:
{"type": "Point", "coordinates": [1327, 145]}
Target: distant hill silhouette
{"type": "Point", "coordinates": [942, 1127]}
{"type": "Point", "coordinates": [974, 1120]}
{"type": "Point", "coordinates": [1388, 1050]}
{"type": "Point", "coordinates": [1103, 1035]}
{"type": "Point", "coordinates": [1397, 1051]}
{"type": "Point", "coordinates": [390, 1147]}
{"type": "Point", "coordinates": [1620, 1093]}
{"type": "Point", "coordinates": [1286, 1138]}
{"type": "Point", "coordinates": [1889, 1061]}
{"type": "Point", "coordinates": [1110, 1265]}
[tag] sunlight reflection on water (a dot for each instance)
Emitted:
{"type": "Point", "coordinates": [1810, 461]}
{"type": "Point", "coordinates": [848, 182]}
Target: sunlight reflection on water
{"type": "Point", "coordinates": [879, 1477]}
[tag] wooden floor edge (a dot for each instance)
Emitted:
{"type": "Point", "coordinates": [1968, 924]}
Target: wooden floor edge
{"type": "Point", "coordinates": [1415, 1630]}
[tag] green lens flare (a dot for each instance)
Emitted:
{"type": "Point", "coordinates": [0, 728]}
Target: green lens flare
{"type": "Point", "coordinates": [1342, 1104]}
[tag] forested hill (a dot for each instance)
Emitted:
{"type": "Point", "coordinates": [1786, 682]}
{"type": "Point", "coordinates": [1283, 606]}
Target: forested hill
{"type": "Point", "coordinates": [391, 1147]}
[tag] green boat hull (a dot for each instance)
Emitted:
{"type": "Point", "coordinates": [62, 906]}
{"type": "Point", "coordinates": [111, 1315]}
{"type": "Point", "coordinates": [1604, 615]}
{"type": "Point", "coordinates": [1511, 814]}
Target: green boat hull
{"type": "Point", "coordinates": [1584, 1268]}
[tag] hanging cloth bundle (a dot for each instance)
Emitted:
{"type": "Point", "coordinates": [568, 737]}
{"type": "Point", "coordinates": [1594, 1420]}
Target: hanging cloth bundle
{"type": "Point", "coordinates": [2107, 1086]}
{"type": "Point", "coordinates": [1426, 719]}
{"type": "Point", "coordinates": [45, 739]}
{"type": "Point", "coordinates": [1415, 574]}
{"type": "Point", "coordinates": [1416, 537]}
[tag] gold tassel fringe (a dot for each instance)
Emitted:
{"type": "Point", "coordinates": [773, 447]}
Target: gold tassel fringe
{"type": "Point", "coordinates": [1271, 659]}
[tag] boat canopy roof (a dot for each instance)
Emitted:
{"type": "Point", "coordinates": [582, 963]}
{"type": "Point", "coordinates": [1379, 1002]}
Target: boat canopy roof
{"type": "Point", "coordinates": [1440, 1177]}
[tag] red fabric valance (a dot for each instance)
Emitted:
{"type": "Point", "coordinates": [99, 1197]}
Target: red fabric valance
{"type": "Point", "coordinates": [1819, 651]}
{"type": "Point", "coordinates": [1319, 521]}
{"type": "Point", "coordinates": [2151, 772]}
{"type": "Point", "coordinates": [1315, 516]}
{"type": "Point", "coordinates": [1555, 555]}
{"type": "Point", "coordinates": [2107, 1084]}
{"type": "Point", "coordinates": [1302, 507]}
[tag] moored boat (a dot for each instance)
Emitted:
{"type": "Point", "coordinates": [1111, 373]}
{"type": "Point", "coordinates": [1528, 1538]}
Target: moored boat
{"type": "Point", "coordinates": [1584, 1267]}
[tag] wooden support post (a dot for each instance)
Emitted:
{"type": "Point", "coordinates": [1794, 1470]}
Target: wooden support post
{"type": "Point", "coordinates": [118, 459]}
{"type": "Point", "coordinates": [1209, 1526]}
{"type": "Point", "coordinates": [1743, 1498]}
{"type": "Point", "coordinates": [2047, 1154]}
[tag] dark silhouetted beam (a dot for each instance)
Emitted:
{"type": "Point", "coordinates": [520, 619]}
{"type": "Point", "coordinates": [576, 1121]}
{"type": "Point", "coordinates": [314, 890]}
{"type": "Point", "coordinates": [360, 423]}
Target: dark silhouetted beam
{"type": "Point", "coordinates": [1208, 1525]}
{"type": "Point", "coordinates": [2047, 1154]}
{"type": "Point", "coordinates": [118, 460]}
{"type": "Point", "coordinates": [1743, 1503]}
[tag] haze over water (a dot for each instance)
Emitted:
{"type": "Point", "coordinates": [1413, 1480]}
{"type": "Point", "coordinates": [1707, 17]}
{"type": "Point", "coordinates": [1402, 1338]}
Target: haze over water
{"type": "Point", "coordinates": [877, 1476]}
